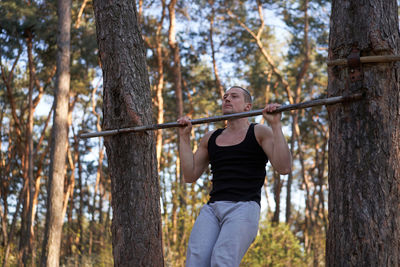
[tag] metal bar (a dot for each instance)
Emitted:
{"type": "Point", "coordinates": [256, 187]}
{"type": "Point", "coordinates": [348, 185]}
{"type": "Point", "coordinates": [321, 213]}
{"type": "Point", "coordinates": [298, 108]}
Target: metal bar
{"type": "Point", "coordinates": [307, 104]}
{"type": "Point", "coordinates": [368, 59]}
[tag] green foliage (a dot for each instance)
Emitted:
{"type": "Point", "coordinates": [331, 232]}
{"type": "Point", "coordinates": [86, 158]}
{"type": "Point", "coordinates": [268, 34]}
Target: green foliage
{"type": "Point", "coordinates": [275, 245]}
{"type": "Point", "coordinates": [95, 247]}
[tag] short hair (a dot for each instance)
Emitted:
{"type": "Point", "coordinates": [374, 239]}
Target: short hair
{"type": "Point", "coordinates": [246, 93]}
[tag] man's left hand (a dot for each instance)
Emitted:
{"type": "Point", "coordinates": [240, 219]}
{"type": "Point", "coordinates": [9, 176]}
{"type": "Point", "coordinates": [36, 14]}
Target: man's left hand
{"type": "Point", "coordinates": [272, 118]}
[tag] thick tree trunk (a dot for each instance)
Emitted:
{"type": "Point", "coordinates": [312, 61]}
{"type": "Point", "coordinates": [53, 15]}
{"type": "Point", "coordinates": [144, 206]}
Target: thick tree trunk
{"type": "Point", "coordinates": [59, 139]}
{"type": "Point", "coordinates": [364, 149]}
{"type": "Point", "coordinates": [136, 225]}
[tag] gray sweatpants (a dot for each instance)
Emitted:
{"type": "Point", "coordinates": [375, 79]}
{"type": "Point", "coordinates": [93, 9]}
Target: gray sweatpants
{"type": "Point", "coordinates": [222, 233]}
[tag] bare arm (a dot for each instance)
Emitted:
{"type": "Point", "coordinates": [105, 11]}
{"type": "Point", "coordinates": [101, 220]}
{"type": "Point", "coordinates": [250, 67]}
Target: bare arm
{"type": "Point", "coordinates": [193, 164]}
{"type": "Point", "coordinates": [273, 141]}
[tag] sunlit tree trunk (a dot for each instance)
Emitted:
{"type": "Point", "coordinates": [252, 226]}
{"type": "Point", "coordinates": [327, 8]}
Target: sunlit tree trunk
{"type": "Point", "coordinates": [179, 187]}
{"type": "Point", "coordinates": [81, 9]}
{"type": "Point", "coordinates": [69, 183]}
{"type": "Point", "coordinates": [136, 225]}
{"type": "Point", "coordinates": [218, 84]}
{"type": "Point", "coordinates": [176, 58]}
{"type": "Point", "coordinates": [58, 153]}
{"type": "Point", "coordinates": [81, 204]}
{"type": "Point", "coordinates": [40, 164]}
{"type": "Point", "coordinates": [364, 150]}
{"type": "Point", "coordinates": [277, 196]}
{"type": "Point", "coordinates": [297, 97]}
{"type": "Point", "coordinates": [288, 210]}
{"type": "Point", "coordinates": [3, 211]}
{"type": "Point", "coordinates": [160, 84]}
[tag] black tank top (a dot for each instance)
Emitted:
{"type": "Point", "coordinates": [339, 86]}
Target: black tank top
{"type": "Point", "coordinates": [239, 170]}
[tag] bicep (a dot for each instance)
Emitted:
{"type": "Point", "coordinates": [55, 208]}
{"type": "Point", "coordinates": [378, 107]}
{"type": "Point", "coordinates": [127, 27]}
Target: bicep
{"type": "Point", "coordinates": [201, 159]}
{"type": "Point", "coordinates": [265, 138]}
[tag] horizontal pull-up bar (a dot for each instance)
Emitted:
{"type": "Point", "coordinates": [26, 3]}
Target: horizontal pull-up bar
{"type": "Point", "coordinates": [368, 59]}
{"type": "Point", "coordinates": [307, 104]}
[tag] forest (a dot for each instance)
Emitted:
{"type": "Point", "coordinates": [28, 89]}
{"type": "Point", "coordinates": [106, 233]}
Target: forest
{"type": "Point", "coordinates": [195, 50]}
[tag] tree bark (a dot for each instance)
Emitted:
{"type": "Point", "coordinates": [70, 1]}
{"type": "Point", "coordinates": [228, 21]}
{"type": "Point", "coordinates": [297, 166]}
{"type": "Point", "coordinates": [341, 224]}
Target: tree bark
{"type": "Point", "coordinates": [136, 225]}
{"type": "Point", "coordinates": [176, 57]}
{"type": "Point", "coordinates": [52, 241]}
{"type": "Point", "coordinates": [218, 84]}
{"type": "Point", "coordinates": [179, 192]}
{"type": "Point", "coordinates": [25, 246]}
{"type": "Point", "coordinates": [277, 197]}
{"type": "Point", "coordinates": [364, 149]}
{"type": "Point", "coordinates": [81, 203]}
{"type": "Point", "coordinates": [160, 85]}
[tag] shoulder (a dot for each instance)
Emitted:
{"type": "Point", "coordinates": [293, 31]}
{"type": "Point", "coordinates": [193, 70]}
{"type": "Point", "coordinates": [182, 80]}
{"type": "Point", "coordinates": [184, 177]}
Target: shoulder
{"type": "Point", "coordinates": [262, 132]}
{"type": "Point", "coordinates": [206, 137]}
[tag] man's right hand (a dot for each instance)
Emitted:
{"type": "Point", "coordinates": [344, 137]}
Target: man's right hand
{"type": "Point", "coordinates": [185, 131]}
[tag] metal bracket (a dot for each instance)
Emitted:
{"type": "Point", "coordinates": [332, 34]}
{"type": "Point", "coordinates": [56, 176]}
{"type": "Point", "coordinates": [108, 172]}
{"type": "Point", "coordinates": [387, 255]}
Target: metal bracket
{"type": "Point", "coordinates": [354, 65]}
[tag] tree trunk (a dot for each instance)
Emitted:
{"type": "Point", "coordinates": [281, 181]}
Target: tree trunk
{"type": "Point", "coordinates": [21, 196]}
{"type": "Point", "coordinates": [4, 167]}
{"type": "Point", "coordinates": [179, 195]}
{"type": "Point", "coordinates": [29, 226]}
{"type": "Point", "coordinates": [297, 97]}
{"type": "Point", "coordinates": [364, 150]}
{"type": "Point", "coordinates": [218, 84]}
{"type": "Point", "coordinates": [136, 225]}
{"type": "Point", "coordinates": [277, 197]}
{"type": "Point", "coordinates": [81, 203]}
{"type": "Point", "coordinates": [177, 59]}
{"type": "Point", "coordinates": [69, 185]}
{"type": "Point", "coordinates": [159, 86]}
{"type": "Point", "coordinates": [59, 139]}
{"type": "Point", "coordinates": [27, 168]}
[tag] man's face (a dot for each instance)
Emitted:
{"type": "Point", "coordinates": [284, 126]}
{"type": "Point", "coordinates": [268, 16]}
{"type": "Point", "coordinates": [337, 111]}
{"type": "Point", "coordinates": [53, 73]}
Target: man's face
{"type": "Point", "coordinates": [233, 101]}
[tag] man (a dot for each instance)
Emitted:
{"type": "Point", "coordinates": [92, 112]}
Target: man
{"type": "Point", "coordinates": [228, 223]}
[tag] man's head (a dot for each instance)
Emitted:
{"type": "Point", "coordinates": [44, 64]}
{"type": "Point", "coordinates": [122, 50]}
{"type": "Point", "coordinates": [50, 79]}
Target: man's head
{"type": "Point", "coordinates": [246, 94]}
{"type": "Point", "coordinates": [236, 99]}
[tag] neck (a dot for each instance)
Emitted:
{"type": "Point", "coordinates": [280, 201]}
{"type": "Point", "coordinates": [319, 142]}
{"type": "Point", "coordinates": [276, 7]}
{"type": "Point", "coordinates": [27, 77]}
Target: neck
{"type": "Point", "coordinates": [236, 124]}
